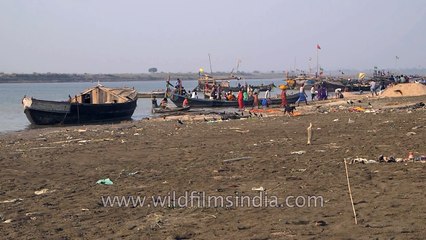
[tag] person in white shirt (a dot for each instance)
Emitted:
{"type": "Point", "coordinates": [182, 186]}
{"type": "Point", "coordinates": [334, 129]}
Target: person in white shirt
{"type": "Point", "coordinates": [267, 94]}
{"type": "Point", "coordinates": [194, 94]}
{"type": "Point", "coordinates": [313, 92]}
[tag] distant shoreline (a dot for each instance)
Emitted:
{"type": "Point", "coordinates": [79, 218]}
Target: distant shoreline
{"type": "Point", "coordinates": [65, 78]}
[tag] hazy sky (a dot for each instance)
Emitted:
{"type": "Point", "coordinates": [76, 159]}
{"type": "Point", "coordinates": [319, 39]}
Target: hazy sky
{"type": "Point", "coordinates": [118, 36]}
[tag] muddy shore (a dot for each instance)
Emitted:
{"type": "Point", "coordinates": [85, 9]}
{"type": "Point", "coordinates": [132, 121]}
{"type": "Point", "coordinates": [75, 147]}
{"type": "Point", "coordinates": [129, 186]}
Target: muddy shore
{"type": "Point", "coordinates": [48, 176]}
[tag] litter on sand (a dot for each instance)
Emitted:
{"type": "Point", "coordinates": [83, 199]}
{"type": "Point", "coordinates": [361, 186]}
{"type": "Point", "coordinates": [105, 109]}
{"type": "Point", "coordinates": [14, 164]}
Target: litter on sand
{"type": "Point", "coordinates": [105, 181]}
{"type": "Point", "coordinates": [258, 189]}
{"type": "Point", "coordinates": [298, 152]}
{"type": "Point", "coordinates": [12, 200]}
{"type": "Point", "coordinates": [42, 191]}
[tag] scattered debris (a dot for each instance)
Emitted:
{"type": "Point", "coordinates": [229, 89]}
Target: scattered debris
{"type": "Point", "coordinates": [242, 131]}
{"type": "Point", "coordinates": [8, 221]}
{"type": "Point", "coordinates": [390, 159]}
{"type": "Point", "coordinates": [12, 200]}
{"type": "Point", "coordinates": [105, 181]}
{"type": "Point", "coordinates": [410, 133]}
{"type": "Point", "coordinates": [350, 121]}
{"type": "Point", "coordinates": [298, 152]}
{"type": "Point", "coordinates": [133, 173]}
{"type": "Point", "coordinates": [321, 223]}
{"type": "Point", "coordinates": [336, 120]}
{"type": "Point", "coordinates": [258, 189]}
{"type": "Point", "coordinates": [43, 191]}
{"type": "Point", "coordinates": [360, 160]}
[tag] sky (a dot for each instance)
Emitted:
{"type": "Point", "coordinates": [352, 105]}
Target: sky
{"type": "Point", "coordinates": [131, 36]}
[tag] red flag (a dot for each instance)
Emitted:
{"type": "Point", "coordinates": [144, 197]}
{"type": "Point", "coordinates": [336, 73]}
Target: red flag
{"type": "Point", "coordinates": [318, 46]}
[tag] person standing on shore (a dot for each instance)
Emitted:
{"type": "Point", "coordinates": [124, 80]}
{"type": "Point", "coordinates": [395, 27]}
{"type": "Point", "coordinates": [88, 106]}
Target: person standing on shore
{"type": "Point", "coordinates": [313, 92]}
{"type": "Point", "coordinates": [245, 95]}
{"type": "Point", "coordinates": [255, 100]}
{"type": "Point", "coordinates": [283, 97]}
{"type": "Point", "coordinates": [302, 95]}
{"type": "Point", "coordinates": [267, 94]}
{"type": "Point", "coordinates": [240, 100]}
{"type": "Point", "coordinates": [373, 89]}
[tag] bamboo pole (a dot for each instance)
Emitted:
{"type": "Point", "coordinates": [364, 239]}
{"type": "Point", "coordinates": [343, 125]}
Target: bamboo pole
{"type": "Point", "coordinates": [350, 192]}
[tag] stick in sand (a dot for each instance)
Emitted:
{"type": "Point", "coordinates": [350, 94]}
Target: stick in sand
{"type": "Point", "coordinates": [236, 159]}
{"type": "Point", "coordinates": [350, 192]}
{"type": "Point", "coordinates": [309, 133]}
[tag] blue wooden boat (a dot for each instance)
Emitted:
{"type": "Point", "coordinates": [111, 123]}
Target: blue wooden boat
{"type": "Point", "coordinates": [97, 104]}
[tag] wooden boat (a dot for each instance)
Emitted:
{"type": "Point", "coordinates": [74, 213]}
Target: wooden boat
{"type": "Point", "coordinates": [356, 87]}
{"type": "Point", "coordinates": [170, 110]}
{"type": "Point", "coordinates": [97, 104]}
{"type": "Point", "coordinates": [260, 88]}
{"type": "Point", "coordinates": [209, 103]}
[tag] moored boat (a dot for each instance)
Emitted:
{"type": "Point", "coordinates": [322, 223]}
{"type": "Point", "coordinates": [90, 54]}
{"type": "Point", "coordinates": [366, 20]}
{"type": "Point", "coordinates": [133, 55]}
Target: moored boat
{"type": "Point", "coordinates": [212, 103]}
{"type": "Point", "coordinates": [97, 104]}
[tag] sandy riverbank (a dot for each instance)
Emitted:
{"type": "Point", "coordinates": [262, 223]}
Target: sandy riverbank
{"type": "Point", "coordinates": [155, 157]}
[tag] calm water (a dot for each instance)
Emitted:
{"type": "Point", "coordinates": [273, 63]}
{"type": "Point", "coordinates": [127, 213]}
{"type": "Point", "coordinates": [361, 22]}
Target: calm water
{"type": "Point", "coordinates": [12, 117]}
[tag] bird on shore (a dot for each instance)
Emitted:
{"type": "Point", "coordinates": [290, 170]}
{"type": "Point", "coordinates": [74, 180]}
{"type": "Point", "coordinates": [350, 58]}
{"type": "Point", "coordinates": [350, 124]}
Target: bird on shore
{"type": "Point", "coordinates": [350, 102]}
{"type": "Point", "coordinates": [179, 121]}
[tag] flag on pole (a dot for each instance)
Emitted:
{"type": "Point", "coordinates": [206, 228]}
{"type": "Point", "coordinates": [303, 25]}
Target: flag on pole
{"type": "Point", "coordinates": [318, 47]}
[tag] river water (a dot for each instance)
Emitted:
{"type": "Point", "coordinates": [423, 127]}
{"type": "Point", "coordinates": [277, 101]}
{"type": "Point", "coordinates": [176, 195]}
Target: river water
{"type": "Point", "coordinates": [12, 117]}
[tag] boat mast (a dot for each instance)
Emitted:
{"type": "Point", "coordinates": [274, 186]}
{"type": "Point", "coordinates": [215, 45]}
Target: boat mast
{"type": "Point", "coordinates": [210, 61]}
{"type": "Point", "coordinates": [317, 73]}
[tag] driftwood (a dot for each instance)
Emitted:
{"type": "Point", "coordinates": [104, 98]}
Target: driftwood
{"type": "Point", "coordinates": [236, 159]}
{"type": "Point", "coordinates": [350, 192]}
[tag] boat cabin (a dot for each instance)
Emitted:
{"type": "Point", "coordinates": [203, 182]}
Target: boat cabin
{"type": "Point", "coordinates": [103, 95]}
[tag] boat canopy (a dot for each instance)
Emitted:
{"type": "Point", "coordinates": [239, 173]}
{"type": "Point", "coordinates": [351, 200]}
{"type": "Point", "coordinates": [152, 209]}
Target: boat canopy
{"type": "Point", "coordinates": [103, 95]}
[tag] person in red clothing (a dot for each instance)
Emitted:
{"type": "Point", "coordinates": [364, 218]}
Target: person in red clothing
{"type": "Point", "coordinates": [283, 97]}
{"type": "Point", "coordinates": [240, 99]}
{"type": "Point", "coordinates": [185, 102]}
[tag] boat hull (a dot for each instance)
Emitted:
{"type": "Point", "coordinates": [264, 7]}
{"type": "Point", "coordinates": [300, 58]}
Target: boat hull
{"type": "Point", "coordinates": [208, 103]}
{"type": "Point", "coordinates": [42, 112]}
